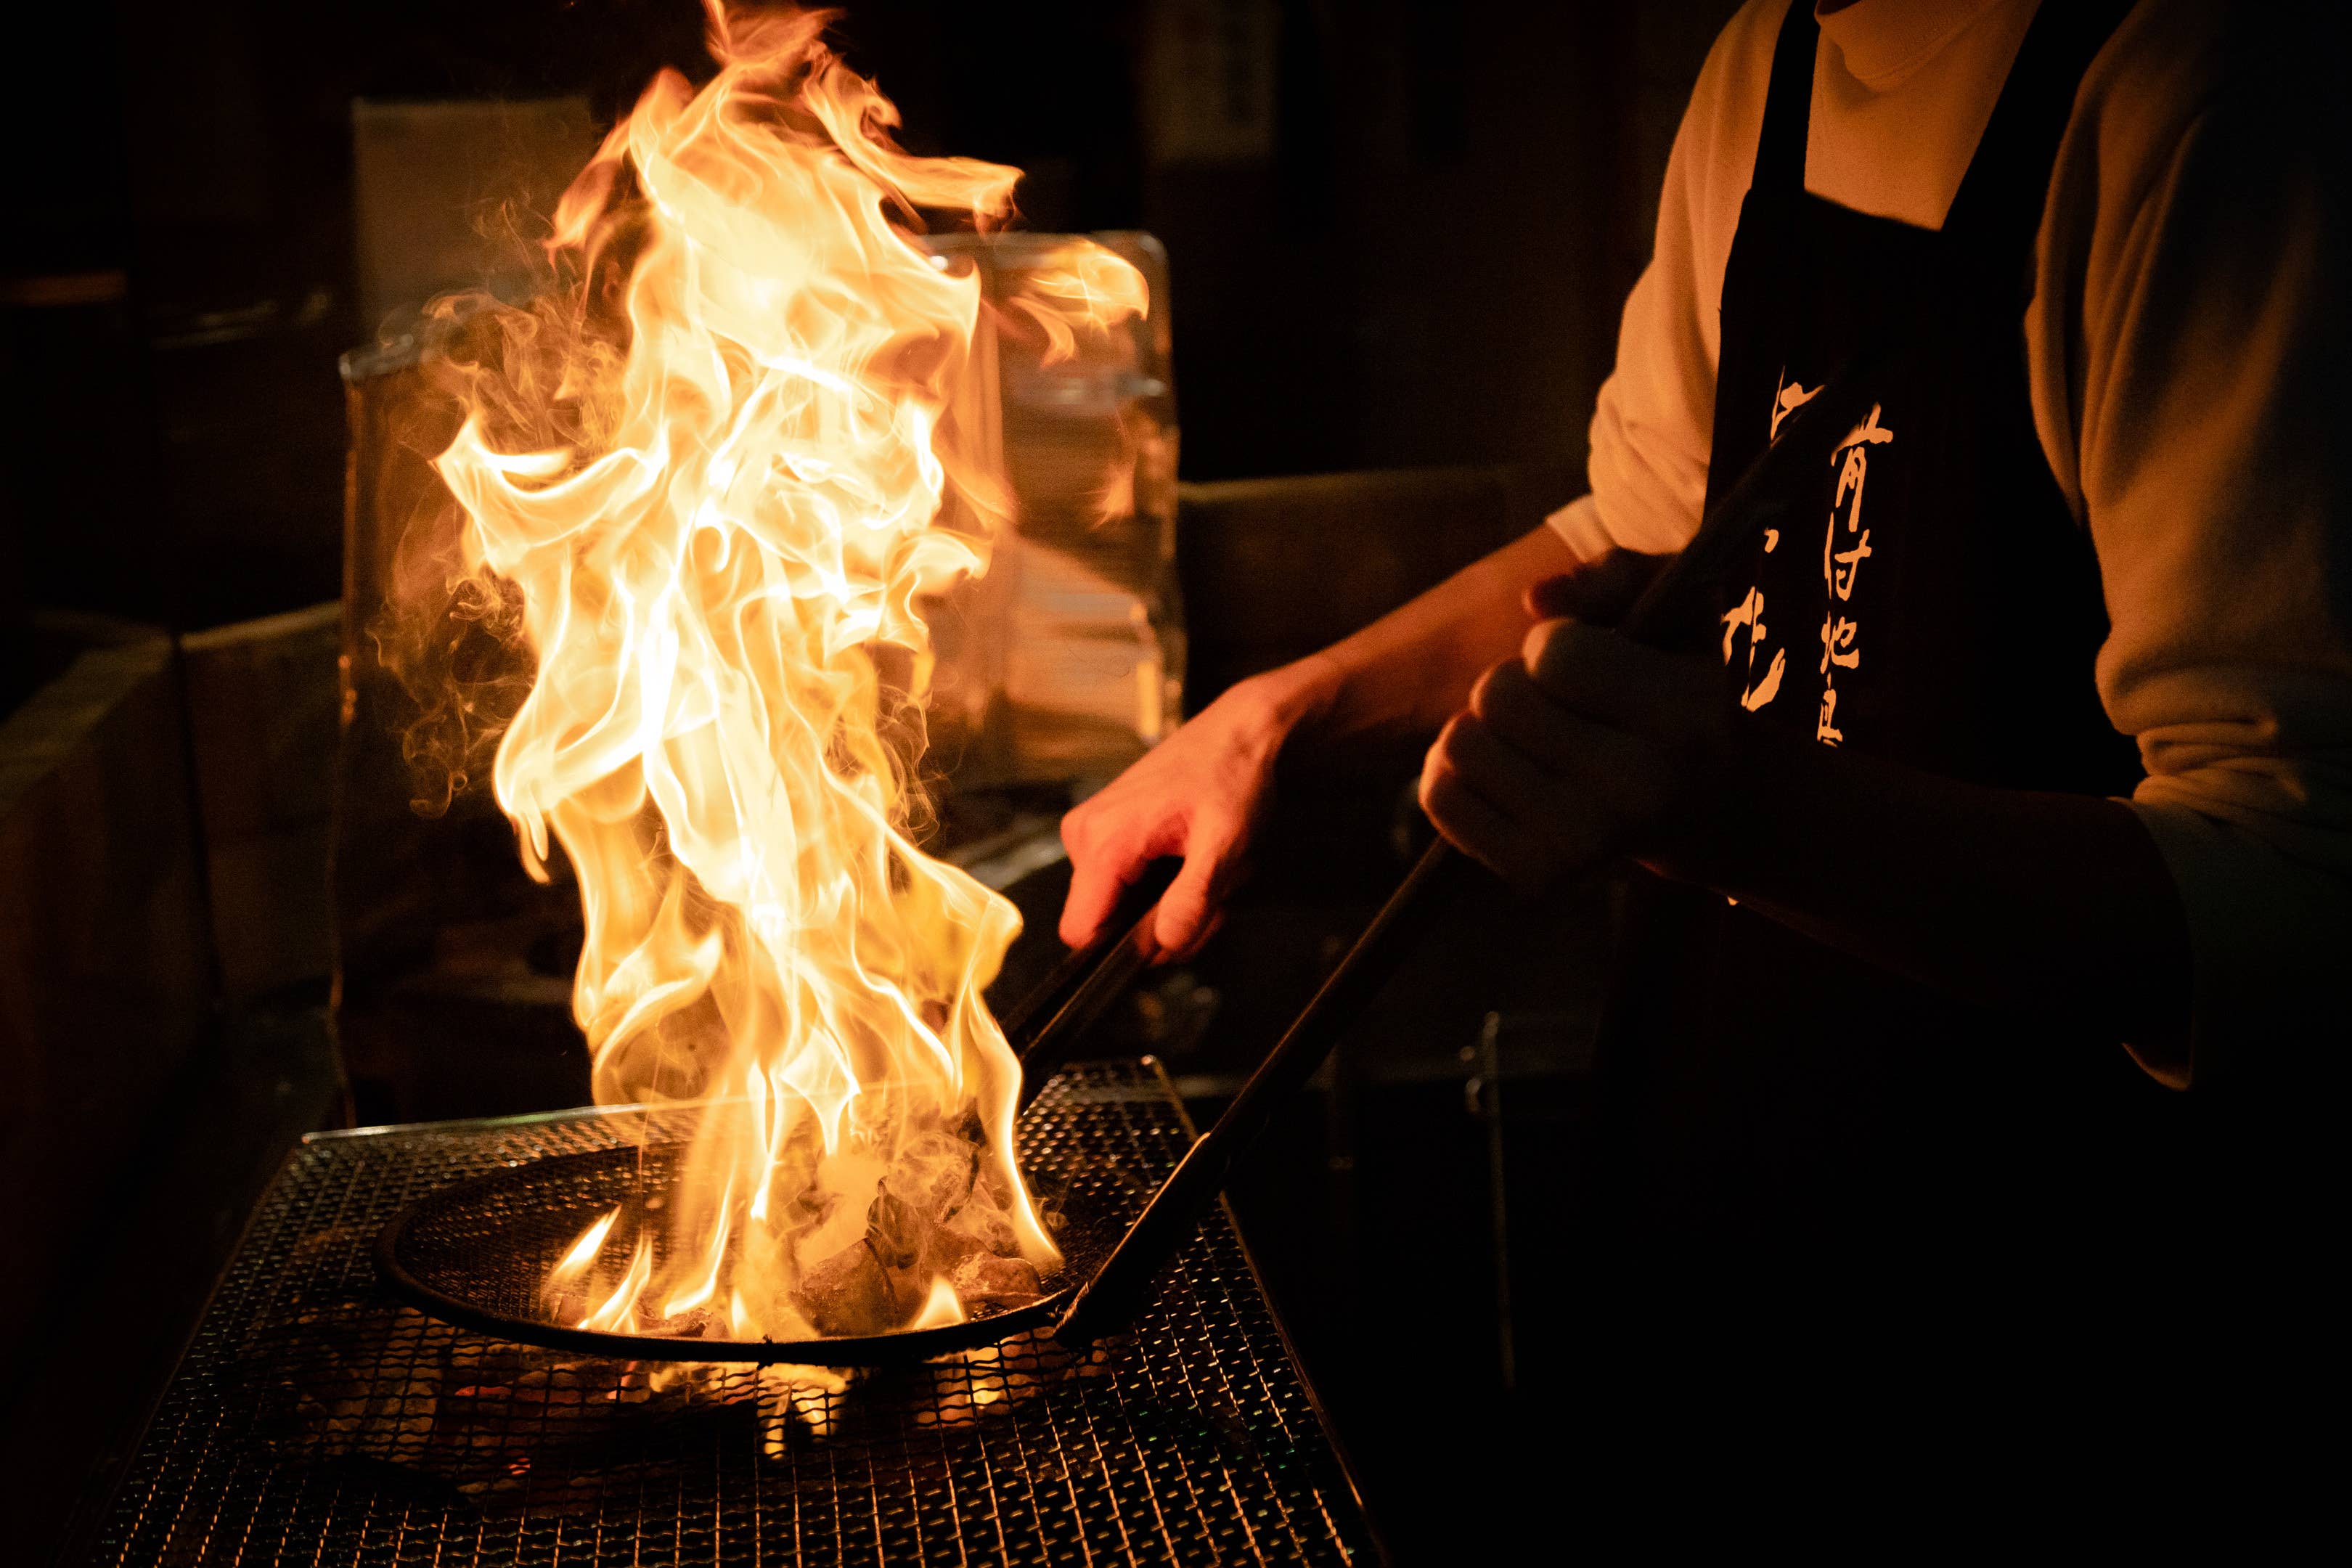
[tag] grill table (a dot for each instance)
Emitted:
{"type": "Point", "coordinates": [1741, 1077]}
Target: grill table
{"type": "Point", "coordinates": [315, 1421]}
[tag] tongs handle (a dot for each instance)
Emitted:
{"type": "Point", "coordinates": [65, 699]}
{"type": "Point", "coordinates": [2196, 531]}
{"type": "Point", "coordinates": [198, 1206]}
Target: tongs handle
{"type": "Point", "coordinates": [1123, 1283]}
{"type": "Point", "coordinates": [1042, 1026]}
{"type": "Point", "coordinates": [1118, 1288]}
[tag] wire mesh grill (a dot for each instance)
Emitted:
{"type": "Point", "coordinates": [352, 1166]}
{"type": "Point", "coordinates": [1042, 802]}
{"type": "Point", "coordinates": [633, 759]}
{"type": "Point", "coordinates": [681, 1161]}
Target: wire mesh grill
{"type": "Point", "coordinates": [316, 1421]}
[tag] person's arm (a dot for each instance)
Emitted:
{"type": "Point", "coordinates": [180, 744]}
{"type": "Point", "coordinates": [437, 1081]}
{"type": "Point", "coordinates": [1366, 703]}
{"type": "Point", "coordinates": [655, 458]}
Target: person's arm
{"type": "Point", "coordinates": [1410, 671]}
{"type": "Point", "coordinates": [2187, 342]}
{"type": "Point", "coordinates": [1590, 746]}
{"type": "Point", "coordinates": [2185, 339]}
{"type": "Point", "coordinates": [1200, 792]}
{"type": "Point", "coordinates": [2032, 903]}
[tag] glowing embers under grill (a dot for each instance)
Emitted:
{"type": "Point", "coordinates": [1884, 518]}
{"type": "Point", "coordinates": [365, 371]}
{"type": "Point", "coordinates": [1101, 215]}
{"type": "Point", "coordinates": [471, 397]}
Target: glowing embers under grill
{"type": "Point", "coordinates": [315, 1419]}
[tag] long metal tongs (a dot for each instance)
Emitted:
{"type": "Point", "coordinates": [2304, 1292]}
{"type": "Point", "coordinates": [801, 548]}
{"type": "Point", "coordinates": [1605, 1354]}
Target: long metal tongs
{"type": "Point", "coordinates": [1122, 1285]}
{"type": "Point", "coordinates": [1044, 1025]}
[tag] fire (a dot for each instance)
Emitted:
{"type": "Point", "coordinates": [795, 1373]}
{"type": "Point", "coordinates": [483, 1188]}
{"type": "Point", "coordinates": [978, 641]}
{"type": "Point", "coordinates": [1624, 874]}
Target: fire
{"type": "Point", "coordinates": [717, 469]}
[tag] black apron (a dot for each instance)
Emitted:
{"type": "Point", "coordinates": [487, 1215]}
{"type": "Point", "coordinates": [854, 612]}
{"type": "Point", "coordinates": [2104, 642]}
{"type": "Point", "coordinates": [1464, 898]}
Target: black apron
{"type": "Point", "coordinates": [1927, 597]}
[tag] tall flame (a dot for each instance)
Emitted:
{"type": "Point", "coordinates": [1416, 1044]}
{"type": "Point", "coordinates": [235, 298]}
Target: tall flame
{"type": "Point", "coordinates": [722, 465]}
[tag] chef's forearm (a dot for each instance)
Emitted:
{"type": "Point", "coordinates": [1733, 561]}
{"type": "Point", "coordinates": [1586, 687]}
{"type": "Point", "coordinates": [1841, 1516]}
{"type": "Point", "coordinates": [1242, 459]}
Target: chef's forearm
{"type": "Point", "coordinates": [1410, 671]}
{"type": "Point", "coordinates": [2053, 905]}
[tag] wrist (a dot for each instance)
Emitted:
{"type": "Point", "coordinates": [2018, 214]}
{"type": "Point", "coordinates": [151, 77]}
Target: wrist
{"type": "Point", "coordinates": [1294, 700]}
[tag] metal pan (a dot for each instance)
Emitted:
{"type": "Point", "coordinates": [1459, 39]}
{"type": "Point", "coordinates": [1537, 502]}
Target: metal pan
{"type": "Point", "coordinates": [477, 1254]}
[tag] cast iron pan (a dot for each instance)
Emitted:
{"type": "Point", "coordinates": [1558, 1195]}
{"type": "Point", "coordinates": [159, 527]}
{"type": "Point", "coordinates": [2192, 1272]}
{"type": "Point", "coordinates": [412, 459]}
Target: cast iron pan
{"type": "Point", "coordinates": [477, 1254]}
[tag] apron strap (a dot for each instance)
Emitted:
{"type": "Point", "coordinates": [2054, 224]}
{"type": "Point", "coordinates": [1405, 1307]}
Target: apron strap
{"type": "Point", "coordinates": [1998, 209]}
{"type": "Point", "coordinates": [1787, 104]}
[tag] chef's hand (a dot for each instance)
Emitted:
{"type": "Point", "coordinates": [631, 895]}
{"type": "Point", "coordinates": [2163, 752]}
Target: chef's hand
{"type": "Point", "coordinates": [1200, 794]}
{"type": "Point", "coordinates": [1588, 746]}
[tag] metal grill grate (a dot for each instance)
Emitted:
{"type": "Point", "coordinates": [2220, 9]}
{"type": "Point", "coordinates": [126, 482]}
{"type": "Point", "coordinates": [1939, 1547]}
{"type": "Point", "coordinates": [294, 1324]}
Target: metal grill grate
{"type": "Point", "coordinates": [316, 1422]}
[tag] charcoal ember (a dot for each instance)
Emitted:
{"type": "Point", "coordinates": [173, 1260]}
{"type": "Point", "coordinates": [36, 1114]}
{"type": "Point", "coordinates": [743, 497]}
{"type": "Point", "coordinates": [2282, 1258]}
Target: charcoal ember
{"type": "Point", "coordinates": [937, 1214]}
{"type": "Point", "coordinates": [946, 1248]}
{"type": "Point", "coordinates": [912, 1248]}
{"type": "Point", "coordinates": [694, 1323]}
{"type": "Point", "coordinates": [936, 1172]}
{"type": "Point", "coordinates": [978, 1231]}
{"type": "Point", "coordinates": [997, 1282]}
{"type": "Point", "coordinates": [898, 1230]}
{"type": "Point", "coordinates": [989, 1227]}
{"type": "Point", "coordinates": [849, 1293]}
{"type": "Point", "coordinates": [911, 1245]}
{"type": "Point", "coordinates": [990, 1187]}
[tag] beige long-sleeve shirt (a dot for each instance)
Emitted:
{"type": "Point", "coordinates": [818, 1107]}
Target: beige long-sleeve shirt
{"type": "Point", "coordinates": [2181, 348]}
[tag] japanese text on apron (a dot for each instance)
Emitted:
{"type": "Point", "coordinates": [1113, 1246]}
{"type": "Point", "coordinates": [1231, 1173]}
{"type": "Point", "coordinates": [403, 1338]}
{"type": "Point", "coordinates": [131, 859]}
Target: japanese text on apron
{"type": "Point", "coordinates": [1929, 597]}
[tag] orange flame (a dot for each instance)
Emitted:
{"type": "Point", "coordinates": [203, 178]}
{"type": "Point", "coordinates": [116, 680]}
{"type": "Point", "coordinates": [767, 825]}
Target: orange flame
{"type": "Point", "coordinates": [723, 464]}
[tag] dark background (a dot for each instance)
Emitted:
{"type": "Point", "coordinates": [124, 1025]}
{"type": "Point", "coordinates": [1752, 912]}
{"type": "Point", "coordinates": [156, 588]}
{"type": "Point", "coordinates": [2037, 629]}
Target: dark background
{"type": "Point", "coordinates": [1422, 264]}
{"type": "Point", "coordinates": [1411, 255]}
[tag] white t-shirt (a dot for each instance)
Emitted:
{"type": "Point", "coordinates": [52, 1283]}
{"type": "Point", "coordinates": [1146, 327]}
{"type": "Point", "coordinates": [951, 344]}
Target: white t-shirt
{"type": "Point", "coordinates": [2182, 350]}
